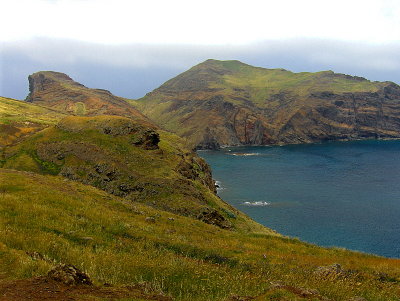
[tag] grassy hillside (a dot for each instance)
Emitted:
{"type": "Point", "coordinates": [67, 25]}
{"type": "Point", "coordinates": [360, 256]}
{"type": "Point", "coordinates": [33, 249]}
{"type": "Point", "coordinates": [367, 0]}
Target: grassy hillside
{"type": "Point", "coordinates": [47, 219]}
{"type": "Point", "coordinates": [19, 119]}
{"type": "Point", "coordinates": [127, 159]}
{"type": "Point", "coordinates": [231, 103]}
{"type": "Point", "coordinates": [235, 79]}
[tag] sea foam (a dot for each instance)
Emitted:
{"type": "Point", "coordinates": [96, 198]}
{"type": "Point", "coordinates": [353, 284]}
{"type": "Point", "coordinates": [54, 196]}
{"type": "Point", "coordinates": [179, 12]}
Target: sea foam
{"type": "Point", "coordinates": [244, 154]}
{"type": "Point", "coordinates": [257, 203]}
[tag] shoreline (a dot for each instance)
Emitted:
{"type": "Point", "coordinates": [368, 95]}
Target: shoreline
{"type": "Point", "coordinates": [223, 147]}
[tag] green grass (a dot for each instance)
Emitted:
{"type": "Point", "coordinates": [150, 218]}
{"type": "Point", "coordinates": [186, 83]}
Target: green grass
{"type": "Point", "coordinates": [19, 119]}
{"type": "Point", "coordinates": [301, 83]}
{"type": "Point", "coordinates": [259, 84]}
{"type": "Point", "coordinates": [109, 238]}
{"type": "Point", "coordinates": [80, 109]}
{"type": "Point", "coordinates": [12, 110]}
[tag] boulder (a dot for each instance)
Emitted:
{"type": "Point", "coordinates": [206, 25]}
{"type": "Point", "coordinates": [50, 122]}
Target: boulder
{"type": "Point", "coordinates": [69, 275]}
{"type": "Point", "coordinates": [331, 271]}
{"type": "Point", "coordinates": [213, 217]}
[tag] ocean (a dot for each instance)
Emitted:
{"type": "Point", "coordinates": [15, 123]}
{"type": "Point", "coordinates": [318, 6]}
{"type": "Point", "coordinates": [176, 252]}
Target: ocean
{"type": "Point", "coordinates": [342, 194]}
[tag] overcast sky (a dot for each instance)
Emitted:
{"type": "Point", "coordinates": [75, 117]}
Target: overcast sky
{"type": "Point", "coordinates": [131, 47]}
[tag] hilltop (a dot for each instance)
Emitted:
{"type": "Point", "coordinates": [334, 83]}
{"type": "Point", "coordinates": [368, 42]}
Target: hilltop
{"type": "Point", "coordinates": [219, 103]}
{"type": "Point", "coordinates": [61, 93]}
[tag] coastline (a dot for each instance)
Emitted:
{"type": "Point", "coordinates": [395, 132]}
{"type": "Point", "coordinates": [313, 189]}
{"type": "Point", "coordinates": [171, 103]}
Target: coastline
{"type": "Point", "coordinates": [222, 147]}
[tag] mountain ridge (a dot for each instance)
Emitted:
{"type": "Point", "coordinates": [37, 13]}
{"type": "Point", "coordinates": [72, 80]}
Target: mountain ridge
{"type": "Point", "coordinates": [218, 103]}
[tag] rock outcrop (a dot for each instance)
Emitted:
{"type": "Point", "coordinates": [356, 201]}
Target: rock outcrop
{"type": "Point", "coordinates": [219, 103]}
{"type": "Point", "coordinates": [61, 93]}
{"type": "Point", "coordinates": [213, 217]}
{"type": "Point", "coordinates": [69, 275]}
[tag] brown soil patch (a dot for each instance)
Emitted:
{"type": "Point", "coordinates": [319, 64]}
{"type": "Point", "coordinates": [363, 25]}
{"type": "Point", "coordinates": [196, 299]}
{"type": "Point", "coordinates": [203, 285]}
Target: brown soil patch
{"type": "Point", "coordinates": [42, 288]}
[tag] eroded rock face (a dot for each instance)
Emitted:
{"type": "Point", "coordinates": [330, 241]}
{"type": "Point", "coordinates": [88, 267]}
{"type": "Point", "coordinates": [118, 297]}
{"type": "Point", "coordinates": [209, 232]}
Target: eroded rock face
{"type": "Point", "coordinates": [323, 117]}
{"type": "Point", "coordinates": [195, 168]}
{"type": "Point", "coordinates": [148, 138]}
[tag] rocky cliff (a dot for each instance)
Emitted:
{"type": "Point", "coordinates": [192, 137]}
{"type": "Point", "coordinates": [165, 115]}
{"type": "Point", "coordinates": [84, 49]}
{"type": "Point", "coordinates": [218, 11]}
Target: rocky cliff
{"type": "Point", "coordinates": [220, 103]}
{"type": "Point", "coordinates": [59, 92]}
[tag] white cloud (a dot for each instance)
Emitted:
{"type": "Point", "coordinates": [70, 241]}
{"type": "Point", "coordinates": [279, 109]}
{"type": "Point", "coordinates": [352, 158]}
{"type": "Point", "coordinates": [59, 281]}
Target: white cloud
{"type": "Point", "coordinates": [218, 22]}
{"type": "Point", "coordinates": [135, 69]}
{"type": "Point", "coordinates": [356, 55]}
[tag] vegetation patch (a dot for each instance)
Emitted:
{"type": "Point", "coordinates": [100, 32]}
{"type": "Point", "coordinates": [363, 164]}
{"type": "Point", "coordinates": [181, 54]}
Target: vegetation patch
{"type": "Point", "coordinates": [80, 109]}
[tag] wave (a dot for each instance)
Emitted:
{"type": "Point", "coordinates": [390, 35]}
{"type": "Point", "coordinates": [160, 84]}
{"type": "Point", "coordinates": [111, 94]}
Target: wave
{"type": "Point", "coordinates": [257, 203]}
{"type": "Point", "coordinates": [218, 185]}
{"type": "Point", "coordinates": [244, 154]}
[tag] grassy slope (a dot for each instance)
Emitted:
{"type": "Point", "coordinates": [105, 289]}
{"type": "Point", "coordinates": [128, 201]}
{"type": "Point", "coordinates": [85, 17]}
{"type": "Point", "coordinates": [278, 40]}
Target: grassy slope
{"type": "Point", "coordinates": [110, 239]}
{"type": "Point", "coordinates": [234, 79]}
{"type": "Point", "coordinates": [79, 149]}
{"type": "Point", "coordinates": [19, 119]}
{"type": "Point", "coordinates": [263, 83]}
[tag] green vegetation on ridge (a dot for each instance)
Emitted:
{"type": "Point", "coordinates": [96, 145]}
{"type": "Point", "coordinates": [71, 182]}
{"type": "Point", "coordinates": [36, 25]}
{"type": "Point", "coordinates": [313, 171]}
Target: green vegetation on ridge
{"type": "Point", "coordinates": [233, 78]}
{"type": "Point", "coordinates": [263, 83]}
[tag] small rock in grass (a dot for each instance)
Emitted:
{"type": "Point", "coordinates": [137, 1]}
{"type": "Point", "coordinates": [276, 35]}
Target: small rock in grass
{"type": "Point", "coordinates": [240, 298]}
{"type": "Point", "coordinates": [357, 299]}
{"type": "Point", "coordinates": [330, 271]}
{"type": "Point", "coordinates": [69, 275]}
{"type": "Point", "coordinates": [150, 219]}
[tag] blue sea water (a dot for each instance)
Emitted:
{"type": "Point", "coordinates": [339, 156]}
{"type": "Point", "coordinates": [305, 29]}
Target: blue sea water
{"type": "Point", "coordinates": [344, 194]}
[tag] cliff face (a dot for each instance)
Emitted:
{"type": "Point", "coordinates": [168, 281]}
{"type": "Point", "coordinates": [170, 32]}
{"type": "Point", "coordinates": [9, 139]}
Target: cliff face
{"type": "Point", "coordinates": [230, 103]}
{"type": "Point", "coordinates": [59, 92]}
{"type": "Point", "coordinates": [359, 115]}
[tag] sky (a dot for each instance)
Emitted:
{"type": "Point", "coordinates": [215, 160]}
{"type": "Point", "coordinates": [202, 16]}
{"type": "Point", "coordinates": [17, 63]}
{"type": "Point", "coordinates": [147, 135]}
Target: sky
{"type": "Point", "coordinates": [132, 47]}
